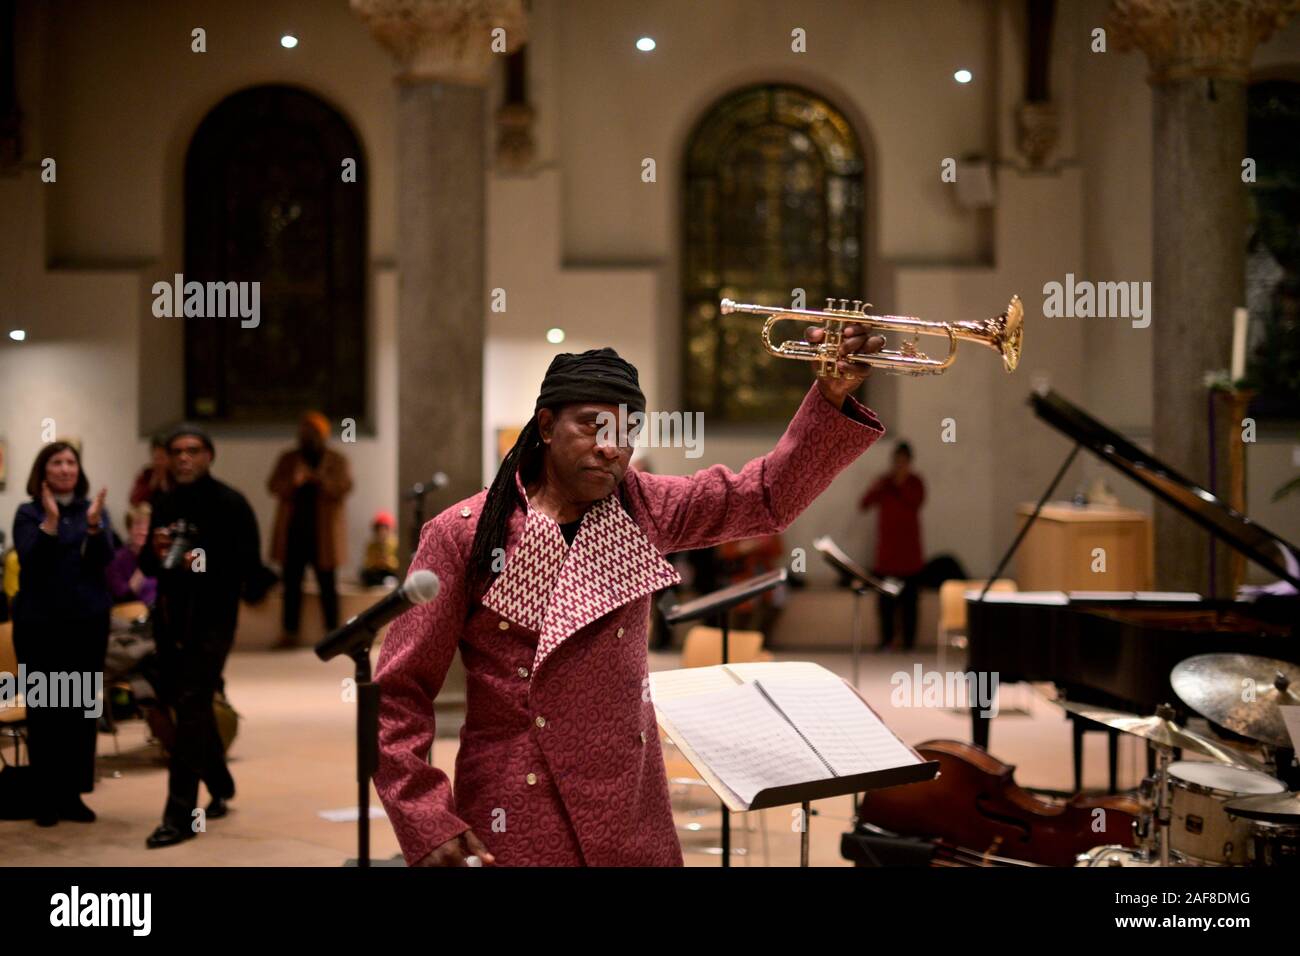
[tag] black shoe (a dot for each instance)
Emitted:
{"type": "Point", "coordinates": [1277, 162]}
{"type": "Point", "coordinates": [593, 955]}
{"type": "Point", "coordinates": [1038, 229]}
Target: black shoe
{"type": "Point", "coordinates": [168, 835]}
{"type": "Point", "coordinates": [217, 808]}
{"type": "Point", "coordinates": [76, 811]}
{"type": "Point", "coordinates": [47, 818]}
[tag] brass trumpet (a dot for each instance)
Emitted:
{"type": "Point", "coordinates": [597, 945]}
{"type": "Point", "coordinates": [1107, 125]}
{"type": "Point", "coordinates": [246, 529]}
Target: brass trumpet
{"type": "Point", "coordinates": [1002, 333]}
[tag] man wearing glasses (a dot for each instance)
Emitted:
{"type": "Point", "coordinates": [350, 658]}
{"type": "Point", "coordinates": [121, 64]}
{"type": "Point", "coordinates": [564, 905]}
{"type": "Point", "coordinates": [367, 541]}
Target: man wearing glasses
{"type": "Point", "coordinates": [205, 555]}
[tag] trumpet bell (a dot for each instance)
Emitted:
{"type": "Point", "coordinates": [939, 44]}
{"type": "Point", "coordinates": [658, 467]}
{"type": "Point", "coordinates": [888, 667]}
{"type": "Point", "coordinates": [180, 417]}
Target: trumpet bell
{"type": "Point", "coordinates": [1013, 333]}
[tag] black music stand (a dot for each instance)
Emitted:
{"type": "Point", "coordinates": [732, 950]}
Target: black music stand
{"type": "Point", "coordinates": [721, 602]}
{"type": "Point", "coordinates": [863, 583]}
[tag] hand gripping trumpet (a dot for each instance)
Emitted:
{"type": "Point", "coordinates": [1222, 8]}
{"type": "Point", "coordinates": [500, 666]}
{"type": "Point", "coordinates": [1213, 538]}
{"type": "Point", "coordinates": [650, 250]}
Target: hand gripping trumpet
{"type": "Point", "coordinates": [1002, 333]}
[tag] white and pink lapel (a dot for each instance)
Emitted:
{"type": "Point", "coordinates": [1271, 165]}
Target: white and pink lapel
{"type": "Point", "coordinates": [557, 589]}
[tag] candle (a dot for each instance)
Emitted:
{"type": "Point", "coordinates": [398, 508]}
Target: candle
{"type": "Point", "coordinates": [1240, 319]}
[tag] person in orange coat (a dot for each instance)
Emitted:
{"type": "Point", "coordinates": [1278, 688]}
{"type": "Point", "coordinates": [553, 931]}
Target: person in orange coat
{"type": "Point", "coordinates": [546, 585]}
{"type": "Point", "coordinates": [310, 482]}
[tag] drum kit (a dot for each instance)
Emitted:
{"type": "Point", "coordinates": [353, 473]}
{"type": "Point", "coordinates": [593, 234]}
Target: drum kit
{"type": "Point", "coordinates": [1229, 809]}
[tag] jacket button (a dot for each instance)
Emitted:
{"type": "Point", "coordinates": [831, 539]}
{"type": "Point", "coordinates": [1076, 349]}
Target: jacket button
{"type": "Point", "coordinates": [504, 625]}
{"type": "Point", "coordinates": [643, 736]}
{"type": "Point", "coordinates": [531, 778]}
{"type": "Point", "coordinates": [620, 633]}
{"type": "Point", "coordinates": [540, 721]}
{"type": "Point", "coordinates": [465, 512]}
{"type": "Point", "coordinates": [523, 672]}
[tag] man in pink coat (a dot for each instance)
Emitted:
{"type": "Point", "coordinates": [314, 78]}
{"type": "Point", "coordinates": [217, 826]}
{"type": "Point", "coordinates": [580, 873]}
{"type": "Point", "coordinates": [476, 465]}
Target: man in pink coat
{"type": "Point", "coordinates": [546, 584]}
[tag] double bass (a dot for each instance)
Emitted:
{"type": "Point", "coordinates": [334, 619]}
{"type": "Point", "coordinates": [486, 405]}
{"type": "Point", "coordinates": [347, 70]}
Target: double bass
{"type": "Point", "coordinates": [975, 813]}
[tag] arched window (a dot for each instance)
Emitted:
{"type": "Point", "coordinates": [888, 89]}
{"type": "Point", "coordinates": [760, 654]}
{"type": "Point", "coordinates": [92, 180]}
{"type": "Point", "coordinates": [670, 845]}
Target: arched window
{"type": "Point", "coordinates": [774, 202]}
{"type": "Point", "coordinates": [1273, 250]}
{"type": "Point", "coordinates": [266, 201]}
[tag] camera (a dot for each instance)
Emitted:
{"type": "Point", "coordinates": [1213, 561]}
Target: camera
{"type": "Point", "coordinates": [185, 536]}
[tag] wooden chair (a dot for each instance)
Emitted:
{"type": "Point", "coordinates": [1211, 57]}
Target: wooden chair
{"type": "Point", "coordinates": [13, 716]}
{"type": "Point", "coordinates": [703, 647]}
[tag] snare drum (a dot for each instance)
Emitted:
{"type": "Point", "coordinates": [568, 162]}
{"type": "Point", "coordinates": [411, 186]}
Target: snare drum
{"type": "Point", "coordinates": [1113, 855]}
{"type": "Point", "coordinates": [1273, 844]}
{"type": "Point", "coordinates": [1201, 830]}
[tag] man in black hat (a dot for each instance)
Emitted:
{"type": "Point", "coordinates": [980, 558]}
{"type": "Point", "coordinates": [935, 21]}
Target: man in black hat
{"type": "Point", "coordinates": [205, 556]}
{"type": "Point", "coordinates": [546, 584]}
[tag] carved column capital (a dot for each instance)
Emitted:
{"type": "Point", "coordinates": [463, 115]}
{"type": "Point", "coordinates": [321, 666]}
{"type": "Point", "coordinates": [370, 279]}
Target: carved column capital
{"type": "Point", "coordinates": [1187, 38]}
{"type": "Point", "coordinates": [448, 41]}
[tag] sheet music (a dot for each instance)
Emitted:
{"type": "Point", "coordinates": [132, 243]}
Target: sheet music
{"type": "Point", "coordinates": [743, 740]}
{"type": "Point", "coordinates": [784, 670]}
{"type": "Point", "coordinates": [667, 685]}
{"type": "Point", "coordinates": [844, 730]}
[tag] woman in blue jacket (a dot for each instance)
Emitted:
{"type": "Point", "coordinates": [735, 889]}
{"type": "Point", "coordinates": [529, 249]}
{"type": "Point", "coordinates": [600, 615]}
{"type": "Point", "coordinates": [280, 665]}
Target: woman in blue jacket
{"type": "Point", "coordinates": [61, 621]}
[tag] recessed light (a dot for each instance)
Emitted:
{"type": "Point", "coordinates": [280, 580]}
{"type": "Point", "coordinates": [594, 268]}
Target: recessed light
{"type": "Point", "coordinates": [962, 76]}
{"type": "Point", "coordinates": [17, 334]}
{"type": "Point", "coordinates": [555, 336]}
{"type": "Point", "coordinates": [645, 44]}
{"type": "Point", "coordinates": [288, 41]}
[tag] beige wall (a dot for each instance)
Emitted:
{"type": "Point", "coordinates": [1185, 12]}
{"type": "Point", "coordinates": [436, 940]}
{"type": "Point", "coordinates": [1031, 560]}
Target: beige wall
{"type": "Point", "coordinates": [113, 91]}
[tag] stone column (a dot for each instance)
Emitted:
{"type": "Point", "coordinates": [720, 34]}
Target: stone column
{"type": "Point", "coordinates": [1199, 52]}
{"type": "Point", "coordinates": [444, 50]}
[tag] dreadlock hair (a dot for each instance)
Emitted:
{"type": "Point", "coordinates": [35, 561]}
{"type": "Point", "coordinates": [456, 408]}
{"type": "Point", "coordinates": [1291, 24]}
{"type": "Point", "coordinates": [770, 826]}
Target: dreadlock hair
{"type": "Point", "coordinates": [494, 522]}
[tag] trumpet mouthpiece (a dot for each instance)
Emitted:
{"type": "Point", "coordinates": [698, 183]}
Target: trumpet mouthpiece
{"type": "Point", "coordinates": [728, 306]}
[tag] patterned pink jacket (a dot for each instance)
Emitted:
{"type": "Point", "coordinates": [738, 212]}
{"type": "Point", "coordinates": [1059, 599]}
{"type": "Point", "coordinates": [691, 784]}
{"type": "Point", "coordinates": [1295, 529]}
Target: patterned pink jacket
{"type": "Point", "coordinates": [559, 761]}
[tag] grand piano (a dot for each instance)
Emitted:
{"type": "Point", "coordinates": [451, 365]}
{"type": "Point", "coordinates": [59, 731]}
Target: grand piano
{"type": "Point", "coordinates": [1118, 653]}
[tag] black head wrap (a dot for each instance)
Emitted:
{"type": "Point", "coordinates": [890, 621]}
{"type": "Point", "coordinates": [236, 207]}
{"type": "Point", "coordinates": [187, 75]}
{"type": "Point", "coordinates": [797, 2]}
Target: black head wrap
{"type": "Point", "coordinates": [598, 376]}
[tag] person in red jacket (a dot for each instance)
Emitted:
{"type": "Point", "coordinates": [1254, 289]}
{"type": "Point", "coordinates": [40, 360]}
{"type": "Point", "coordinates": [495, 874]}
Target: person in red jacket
{"type": "Point", "coordinates": [546, 586]}
{"type": "Point", "coordinates": [899, 494]}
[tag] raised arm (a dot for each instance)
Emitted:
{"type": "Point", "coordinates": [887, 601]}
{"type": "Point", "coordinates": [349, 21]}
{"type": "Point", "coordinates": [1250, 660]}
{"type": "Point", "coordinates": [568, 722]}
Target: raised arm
{"type": "Point", "coordinates": [718, 504]}
{"type": "Point", "coordinates": [413, 663]}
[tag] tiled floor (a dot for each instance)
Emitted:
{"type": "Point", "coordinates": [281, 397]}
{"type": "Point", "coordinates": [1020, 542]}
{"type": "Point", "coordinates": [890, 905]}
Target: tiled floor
{"type": "Point", "coordinates": [294, 758]}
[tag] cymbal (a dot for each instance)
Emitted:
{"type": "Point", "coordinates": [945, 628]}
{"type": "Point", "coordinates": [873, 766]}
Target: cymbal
{"type": "Point", "coordinates": [1270, 807]}
{"type": "Point", "coordinates": [1165, 733]}
{"type": "Point", "coordinates": [1213, 685]}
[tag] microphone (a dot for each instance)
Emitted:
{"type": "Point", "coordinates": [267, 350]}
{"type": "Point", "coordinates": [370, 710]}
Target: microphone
{"type": "Point", "coordinates": [420, 587]}
{"type": "Point", "coordinates": [422, 488]}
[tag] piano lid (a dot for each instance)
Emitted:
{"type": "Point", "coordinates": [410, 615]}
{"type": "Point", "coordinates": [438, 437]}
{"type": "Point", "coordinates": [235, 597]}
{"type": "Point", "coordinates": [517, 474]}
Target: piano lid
{"type": "Point", "coordinates": [1203, 507]}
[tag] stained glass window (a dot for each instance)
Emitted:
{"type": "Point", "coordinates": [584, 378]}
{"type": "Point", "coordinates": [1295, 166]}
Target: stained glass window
{"type": "Point", "coordinates": [1273, 250]}
{"type": "Point", "coordinates": [774, 203]}
{"type": "Point", "coordinates": [267, 201]}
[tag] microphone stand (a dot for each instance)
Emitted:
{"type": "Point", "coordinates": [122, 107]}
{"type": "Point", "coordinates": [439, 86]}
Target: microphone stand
{"type": "Point", "coordinates": [720, 603]}
{"type": "Point", "coordinates": [367, 744]}
{"type": "Point", "coordinates": [417, 494]}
